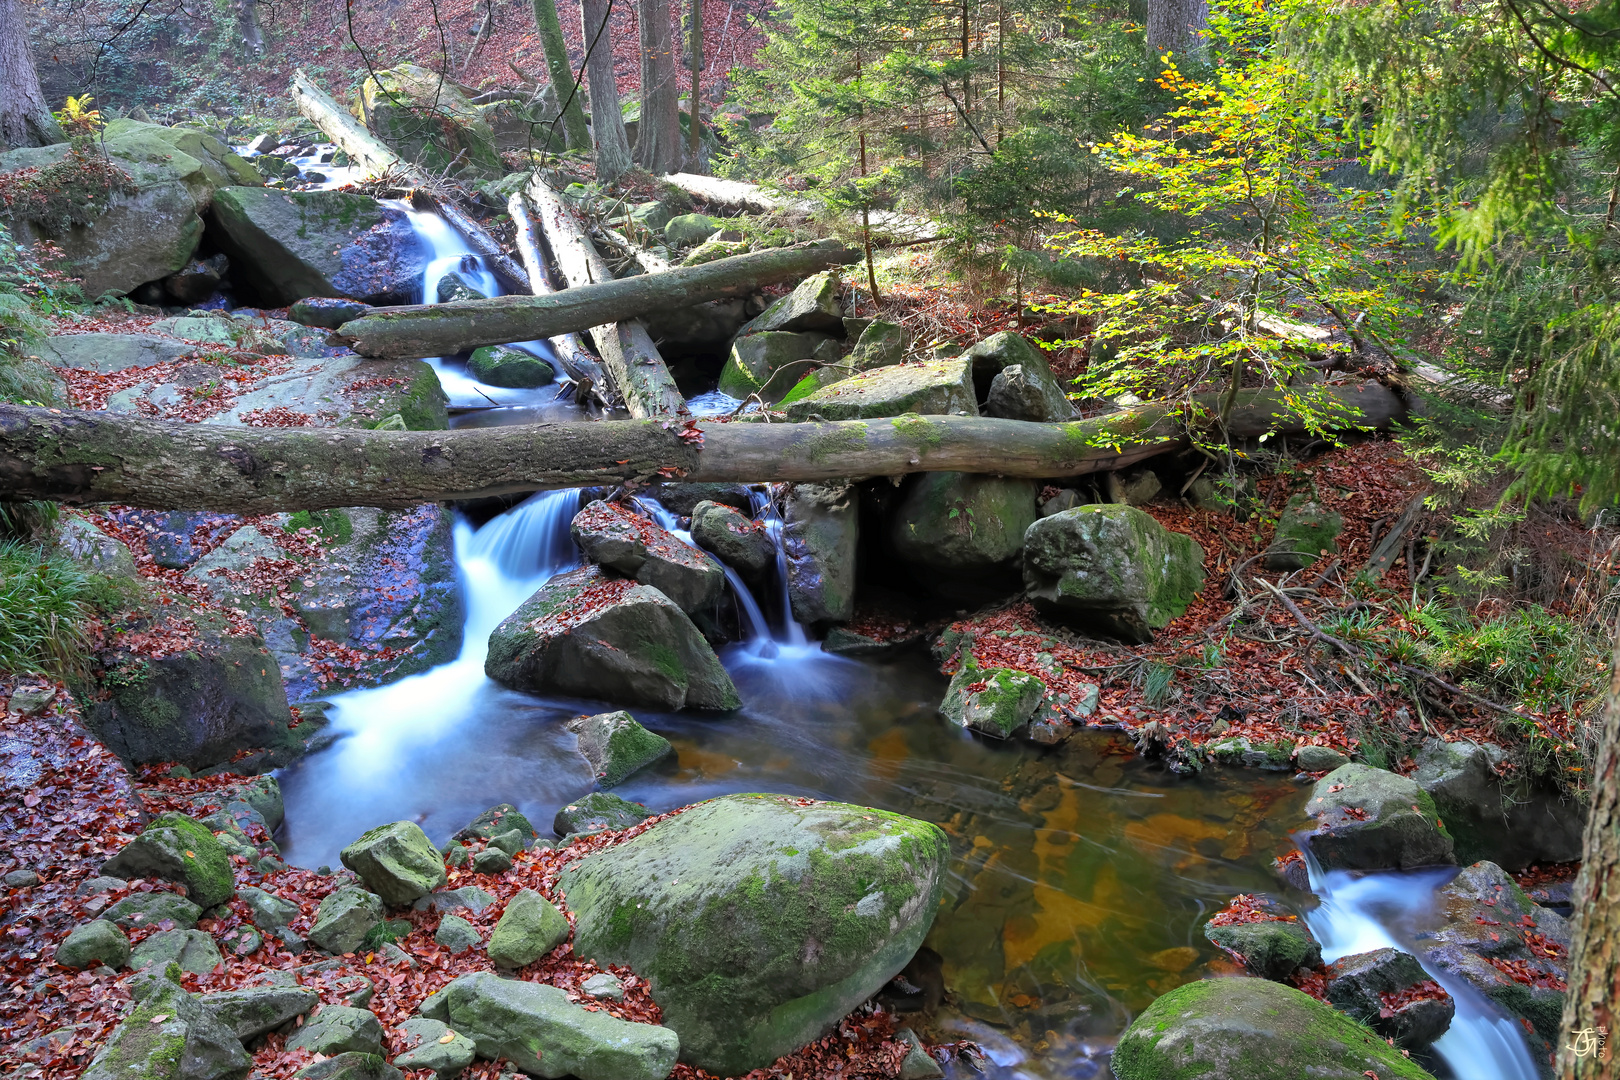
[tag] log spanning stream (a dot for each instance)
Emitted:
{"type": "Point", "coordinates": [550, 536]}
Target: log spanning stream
{"type": "Point", "coordinates": [1081, 878]}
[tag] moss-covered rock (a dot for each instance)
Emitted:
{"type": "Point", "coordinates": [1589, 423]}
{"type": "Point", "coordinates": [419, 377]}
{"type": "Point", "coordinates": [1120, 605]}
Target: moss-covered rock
{"type": "Point", "coordinates": [252, 1011]}
{"type": "Point", "coordinates": [598, 812]}
{"type": "Point", "coordinates": [612, 536]}
{"type": "Point", "coordinates": [992, 701]}
{"type": "Point", "coordinates": [880, 344]}
{"type": "Point", "coordinates": [1241, 751]}
{"type": "Point", "coordinates": [1305, 533]}
{"type": "Point", "coordinates": [429, 1048]}
{"type": "Point", "coordinates": [688, 230]}
{"type": "Point", "coordinates": [926, 387]}
{"type": "Point", "coordinates": [820, 539]}
{"type": "Point", "coordinates": [429, 120]}
{"type": "Point", "coordinates": [1030, 394]}
{"type": "Point", "coordinates": [339, 1029]}
{"type": "Point", "coordinates": [615, 745]}
{"type": "Point", "coordinates": [457, 934]}
{"type": "Point", "coordinates": [92, 944]}
{"type": "Point", "coordinates": [351, 1065]}
{"type": "Point", "coordinates": [735, 539]}
{"type": "Point", "coordinates": [1111, 568]}
{"type": "Point", "coordinates": [498, 819]}
{"type": "Point", "coordinates": [329, 312]}
{"type": "Point", "coordinates": [962, 523]}
{"type": "Point", "coordinates": [502, 365]}
{"type": "Point", "coordinates": [1370, 819]}
{"type": "Point", "coordinates": [760, 920]}
{"type": "Point", "coordinates": [141, 910]}
{"type": "Point", "coordinates": [1252, 1029]}
{"type": "Point", "coordinates": [397, 862]}
{"type": "Point", "coordinates": [1273, 946]}
{"type": "Point", "coordinates": [189, 950]}
{"type": "Point", "coordinates": [1513, 829]}
{"type": "Point", "coordinates": [710, 250]}
{"type": "Point", "coordinates": [770, 363]}
{"type": "Point", "coordinates": [529, 928]}
{"type": "Point", "coordinates": [344, 919]}
{"type": "Point", "coordinates": [176, 848]}
{"type": "Point", "coordinates": [169, 1036]}
{"type": "Point", "coordinates": [812, 305]}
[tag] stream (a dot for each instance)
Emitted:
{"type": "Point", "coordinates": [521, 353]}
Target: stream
{"type": "Point", "coordinates": [1081, 874]}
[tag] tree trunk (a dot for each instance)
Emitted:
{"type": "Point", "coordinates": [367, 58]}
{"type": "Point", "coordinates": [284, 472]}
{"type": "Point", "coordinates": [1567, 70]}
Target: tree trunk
{"type": "Point", "coordinates": [25, 119]}
{"type": "Point", "coordinates": [581, 366]}
{"type": "Point", "coordinates": [562, 75]}
{"type": "Point", "coordinates": [1594, 958]}
{"type": "Point", "coordinates": [364, 149]}
{"type": "Point", "coordinates": [658, 133]}
{"type": "Point", "coordinates": [694, 134]}
{"type": "Point", "coordinates": [76, 457]}
{"type": "Point", "coordinates": [1176, 28]}
{"type": "Point", "coordinates": [591, 299]}
{"type": "Point", "coordinates": [248, 20]}
{"type": "Point", "coordinates": [607, 117]}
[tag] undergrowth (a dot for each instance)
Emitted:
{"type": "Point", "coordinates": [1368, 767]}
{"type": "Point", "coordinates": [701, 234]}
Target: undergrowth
{"type": "Point", "coordinates": [45, 604]}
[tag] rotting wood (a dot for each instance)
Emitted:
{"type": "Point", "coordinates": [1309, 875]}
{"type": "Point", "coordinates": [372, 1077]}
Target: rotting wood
{"type": "Point", "coordinates": [365, 149]}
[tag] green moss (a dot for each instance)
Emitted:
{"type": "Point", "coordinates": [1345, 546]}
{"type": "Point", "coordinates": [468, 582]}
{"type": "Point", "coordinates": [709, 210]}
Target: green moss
{"type": "Point", "coordinates": [335, 526]}
{"type": "Point", "coordinates": [921, 433]}
{"type": "Point", "coordinates": [386, 932]}
{"type": "Point", "coordinates": [826, 444]}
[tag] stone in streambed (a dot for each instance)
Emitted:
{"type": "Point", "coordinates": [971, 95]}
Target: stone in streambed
{"type": "Point", "coordinates": [1361, 985]}
{"type": "Point", "coordinates": [502, 365]}
{"type": "Point", "coordinates": [529, 928]}
{"type": "Point", "coordinates": [498, 819]}
{"type": "Point", "coordinates": [772, 363]}
{"type": "Point", "coordinates": [585, 634]}
{"type": "Point", "coordinates": [258, 1010]}
{"type": "Point", "coordinates": [327, 312]}
{"type": "Point", "coordinates": [603, 986]}
{"type": "Point", "coordinates": [759, 921]}
{"type": "Point", "coordinates": [176, 848]}
{"type": "Point", "coordinates": [492, 860]}
{"type": "Point", "coordinates": [1486, 821]}
{"type": "Point", "coordinates": [598, 812]}
{"type": "Point", "coordinates": [962, 523]}
{"type": "Point", "coordinates": [338, 1029]}
{"type": "Point", "coordinates": [512, 841]}
{"type": "Point", "coordinates": [926, 387]}
{"type": "Point", "coordinates": [735, 539]}
{"type": "Point", "coordinates": [820, 535]}
{"type": "Point", "coordinates": [1311, 758]}
{"type": "Point", "coordinates": [616, 538]}
{"type": "Point", "coordinates": [992, 701]}
{"type": "Point", "coordinates": [93, 944]}
{"type": "Point", "coordinates": [616, 746]}
{"type": "Point", "coordinates": [191, 950]}
{"type": "Point", "coordinates": [457, 934]}
{"type": "Point", "coordinates": [1273, 946]}
{"type": "Point", "coordinates": [169, 1035]}
{"type": "Point", "coordinates": [344, 919]}
{"type": "Point", "coordinates": [397, 862]}
{"type": "Point", "coordinates": [1370, 819]}
{"type": "Point", "coordinates": [428, 1048]}
{"type": "Point", "coordinates": [467, 898]}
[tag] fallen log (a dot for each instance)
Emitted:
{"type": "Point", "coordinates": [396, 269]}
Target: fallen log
{"type": "Point", "coordinates": [590, 300]}
{"type": "Point", "coordinates": [75, 457]}
{"type": "Point", "coordinates": [736, 195]}
{"type": "Point", "coordinates": [576, 360]}
{"type": "Point", "coordinates": [364, 149]}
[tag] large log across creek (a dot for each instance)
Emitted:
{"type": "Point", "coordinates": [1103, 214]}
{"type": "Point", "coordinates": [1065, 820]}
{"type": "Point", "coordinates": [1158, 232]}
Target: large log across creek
{"type": "Point", "coordinates": [76, 457]}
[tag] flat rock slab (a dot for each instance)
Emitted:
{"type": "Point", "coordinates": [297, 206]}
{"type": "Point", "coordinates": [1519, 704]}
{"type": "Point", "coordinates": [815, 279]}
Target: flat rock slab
{"type": "Point", "coordinates": [927, 387]}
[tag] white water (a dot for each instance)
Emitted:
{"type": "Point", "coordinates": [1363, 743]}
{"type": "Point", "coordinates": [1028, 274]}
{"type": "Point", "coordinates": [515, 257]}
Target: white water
{"type": "Point", "coordinates": [1375, 911]}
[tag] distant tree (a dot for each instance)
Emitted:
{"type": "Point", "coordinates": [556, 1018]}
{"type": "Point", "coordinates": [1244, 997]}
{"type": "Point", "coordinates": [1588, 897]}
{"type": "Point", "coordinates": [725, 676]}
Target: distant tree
{"type": "Point", "coordinates": [694, 129]}
{"type": "Point", "coordinates": [1177, 27]}
{"type": "Point", "coordinates": [25, 119]}
{"type": "Point", "coordinates": [658, 133]}
{"type": "Point", "coordinates": [607, 118]}
{"type": "Point", "coordinates": [577, 134]}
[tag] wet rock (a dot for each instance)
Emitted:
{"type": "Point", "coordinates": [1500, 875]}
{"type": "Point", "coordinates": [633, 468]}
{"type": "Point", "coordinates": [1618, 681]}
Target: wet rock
{"type": "Point", "coordinates": [169, 1036]}
{"type": "Point", "coordinates": [498, 819]}
{"type": "Point", "coordinates": [688, 230]}
{"type": "Point", "coordinates": [1239, 751]}
{"type": "Point", "coordinates": [176, 848]}
{"type": "Point", "coordinates": [926, 387]}
{"type": "Point", "coordinates": [258, 1010]}
{"type": "Point", "coordinates": [528, 929]}
{"type": "Point", "coordinates": [1369, 819]}
{"type": "Point", "coordinates": [397, 862]}
{"type": "Point", "coordinates": [501, 365]}
{"type": "Point", "coordinates": [760, 920]}
{"type": "Point", "coordinates": [339, 1029]}
{"type": "Point", "coordinates": [141, 910]}
{"type": "Point", "coordinates": [1033, 393]}
{"type": "Point", "coordinates": [598, 812]}
{"type": "Point", "coordinates": [611, 535]}
{"type": "Point", "coordinates": [683, 499]}
{"type": "Point", "coordinates": [1274, 945]}
{"type": "Point", "coordinates": [350, 1066]}
{"type": "Point", "coordinates": [20, 879]}
{"type": "Point", "coordinates": [879, 344]}
{"type": "Point", "coordinates": [585, 634]}
{"type": "Point", "coordinates": [841, 641]}
{"type": "Point", "coordinates": [542, 1033]}
{"type": "Point", "coordinates": [1305, 533]}
{"type": "Point", "coordinates": [603, 986]}
{"type": "Point", "coordinates": [99, 553]}
{"type": "Point", "coordinates": [1318, 758]}
{"type": "Point", "coordinates": [772, 363]}
{"type": "Point", "coordinates": [615, 745]}
{"type": "Point", "coordinates": [457, 934]}
{"type": "Point", "coordinates": [1111, 568]}
{"type": "Point", "coordinates": [1136, 487]}
{"type": "Point", "coordinates": [1252, 1029]}
{"type": "Point", "coordinates": [735, 539]}
{"type": "Point", "coordinates": [992, 701]}
{"type": "Point", "coordinates": [191, 950]}
{"type": "Point", "coordinates": [176, 538]}
{"type": "Point", "coordinates": [329, 312]}
{"type": "Point", "coordinates": [962, 523]}
{"type": "Point", "coordinates": [93, 944]}
{"type": "Point", "coordinates": [812, 305]}
{"type": "Point", "coordinates": [430, 120]}
{"type": "Point", "coordinates": [30, 700]}
{"type": "Point", "coordinates": [344, 919]}
{"type": "Point", "coordinates": [428, 1048]}
{"type": "Point", "coordinates": [820, 535]}
{"type": "Point", "coordinates": [288, 245]}
{"type": "Point", "coordinates": [1379, 989]}
{"type": "Point", "coordinates": [1487, 822]}
{"type": "Point", "coordinates": [918, 1064]}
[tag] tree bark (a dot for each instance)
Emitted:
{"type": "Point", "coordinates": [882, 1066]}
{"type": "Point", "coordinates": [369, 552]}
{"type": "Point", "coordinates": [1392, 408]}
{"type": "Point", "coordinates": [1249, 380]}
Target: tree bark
{"type": "Point", "coordinates": [363, 148]}
{"type": "Point", "coordinates": [607, 116]}
{"type": "Point", "coordinates": [694, 133]}
{"type": "Point", "coordinates": [25, 118]}
{"type": "Point", "coordinates": [75, 457]}
{"type": "Point", "coordinates": [580, 365]}
{"type": "Point", "coordinates": [592, 298]}
{"type": "Point", "coordinates": [1594, 957]}
{"type": "Point", "coordinates": [658, 132]}
{"type": "Point", "coordinates": [248, 20]}
{"type": "Point", "coordinates": [1176, 28]}
{"type": "Point", "coordinates": [562, 74]}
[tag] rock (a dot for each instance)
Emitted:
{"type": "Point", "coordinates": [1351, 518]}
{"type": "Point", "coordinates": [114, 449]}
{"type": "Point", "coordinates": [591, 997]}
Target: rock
{"type": "Point", "coordinates": [1065, 499]}
{"type": "Point", "coordinates": [169, 1036]}
{"type": "Point", "coordinates": [95, 550]}
{"type": "Point", "coordinates": [192, 950]}
{"type": "Point", "coordinates": [155, 909]}
{"type": "Point", "coordinates": [812, 305]}
{"type": "Point", "coordinates": [710, 250]}
{"type": "Point", "coordinates": [588, 635]}
{"type": "Point", "coordinates": [338, 1029]}
{"type": "Point", "coordinates": [683, 499]}
{"type": "Point", "coordinates": [652, 216]}
{"type": "Point", "coordinates": [611, 535]}
{"type": "Point", "coordinates": [598, 812]}
{"type": "Point", "coordinates": [30, 700]}
{"type": "Point", "coordinates": [1252, 1029]}
{"type": "Point", "coordinates": [1137, 487]}
{"type": "Point", "coordinates": [616, 746]}
{"type": "Point", "coordinates": [288, 245]}
{"type": "Point", "coordinates": [992, 701]}
{"type": "Point", "coordinates": [927, 387]}
{"type": "Point", "coordinates": [1305, 533]}
{"type": "Point", "coordinates": [918, 1064]}
{"type": "Point", "coordinates": [344, 919]}
{"type": "Point", "coordinates": [879, 344]}
{"type": "Point", "coordinates": [603, 986]}
{"type": "Point", "coordinates": [197, 280]}
{"type": "Point", "coordinates": [457, 934]}
{"type": "Point", "coordinates": [431, 1049]}
{"type": "Point", "coordinates": [510, 842]}
{"type": "Point", "coordinates": [397, 862]}
{"type": "Point", "coordinates": [1369, 819]}
{"type": "Point", "coordinates": [820, 537]}
{"type": "Point", "coordinates": [20, 879]}
{"type": "Point", "coordinates": [962, 523]}
{"type": "Point", "coordinates": [92, 944]}
{"type": "Point", "coordinates": [258, 1010]}
{"type": "Point", "coordinates": [1015, 396]}
{"type": "Point", "coordinates": [502, 365]}
{"type": "Point", "coordinates": [1362, 985]}
{"type": "Point", "coordinates": [759, 921]}
{"type": "Point", "coordinates": [108, 353]}
{"type": "Point", "coordinates": [350, 1066]}
{"type": "Point", "coordinates": [176, 848]}
{"type": "Point", "coordinates": [1318, 758]}
{"type": "Point", "coordinates": [329, 312]}
{"type": "Point", "coordinates": [467, 898]}
{"type": "Point", "coordinates": [1241, 751]}
{"type": "Point", "coordinates": [263, 793]}
{"type": "Point", "coordinates": [529, 928]}
{"type": "Point", "coordinates": [1512, 830]}
{"type": "Point", "coordinates": [769, 363]}
{"type": "Point", "coordinates": [492, 860]}
{"type": "Point", "coordinates": [100, 884]}
{"type": "Point", "coordinates": [429, 120]}
{"type": "Point", "coordinates": [1040, 396]}
{"type": "Point", "coordinates": [689, 230]}
{"type": "Point", "coordinates": [1111, 568]}
{"type": "Point", "coordinates": [1274, 945]}
{"type": "Point", "coordinates": [735, 539]}
{"type": "Point", "coordinates": [493, 822]}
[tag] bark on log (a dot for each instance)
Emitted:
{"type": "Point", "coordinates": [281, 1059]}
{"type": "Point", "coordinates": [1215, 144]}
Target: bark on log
{"type": "Point", "coordinates": [419, 330]}
{"type": "Point", "coordinates": [363, 148]}
{"type": "Point", "coordinates": [76, 457]}
{"type": "Point", "coordinates": [576, 360]}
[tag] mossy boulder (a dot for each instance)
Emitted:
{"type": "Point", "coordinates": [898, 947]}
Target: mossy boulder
{"type": "Point", "coordinates": [585, 634]}
{"type": "Point", "coordinates": [1241, 751]}
{"type": "Point", "coordinates": [1252, 1029]}
{"type": "Point", "coordinates": [92, 548]}
{"type": "Point", "coordinates": [1305, 533]}
{"type": "Point", "coordinates": [189, 950]}
{"type": "Point", "coordinates": [92, 944]}
{"type": "Point", "coordinates": [457, 934]}
{"type": "Point", "coordinates": [498, 819]}
{"type": "Point", "coordinates": [339, 1029]}
{"type": "Point", "coordinates": [1364, 985]}
{"type": "Point", "coordinates": [502, 365]}
{"type": "Point", "coordinates": [141, 910]}
{"type": "Point", "coordinates": [1032, 394]}
{"type": "Point", "coordinates": [612, 536]}
{"type": "Point", "coordinates": [429, 120]}
{"type": "Point", "coordinates": [689, 230]}
{"type": "Point", "coordinates": [169, 1036]}
{"type": "Point", "coordinates": [820, 539]}
{"type": "Point", "coordinates": [1513, 829]}
{"type": "Point", "coordinates": [1273, 945]}
{"type": "Point", "coordinates": [328, 312]}
{"type": "Point", "coordinates": [397, 862]}
{"type": "Point", "coordinates": [344, 919]}
{"type": "Point", "coordinates": [429, 1048]}
{"type": "Point", "coordinates": [1370, 819]}
{"type": "Point", "coordinates": [735, 539]}
{"type": "Point", "coordinates": [812, 305]}
{"type": "Point", "coordinates": [880, 344]}
{"type": "Point", "coordinates": [710, 250]}
{"type": "Point", "coordinates": [178, 849]}
{"type": "Point", "coordinates": [615, 745]}
{"type": "Point", "coordinates": [770, 363]}
{"type": "Point", "coordinates": [926, 387]}
{"type": "Point", "coordinates": [598, 812]}
{"type": "Point", "coordinates": [350, 1065]}
{"type": "Point", "coordinates": [252, 1011]}
{"type": "Point", "coordinates": [992, 701]}
{"type": "Point", "coordinates": [1111, 568]}
{"type": "Point", "coordinates": [529, 928]}
{"type": "Point", "coordinates": [962, 523]}
{"type": "Point", "coordinates": [759, 921]}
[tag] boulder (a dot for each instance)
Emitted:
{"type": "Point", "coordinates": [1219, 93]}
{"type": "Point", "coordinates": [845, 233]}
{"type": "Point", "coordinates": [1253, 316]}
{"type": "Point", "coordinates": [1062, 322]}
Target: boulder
{"type": "Point", "coordinates": [270, 912]}
{"type": "Point", "coordinates": [198, 280]}
{"type": "Point", "coordinates": [1040, 394]}
{"type": "Point", "coordinates": [1305, 533]}
{"type": "Point", "coordinates": [1389, 991]}
{"type": "Point", "coordinates": [512, 841]}
{"type": "Point", "coordinates": [652, 217]}
{"type": "Point", "coordinates": [689, 230]}
{"type": "Point", "coordinates": [611, 535]}
{"type": "Point", "coordinates": [710, 250]}
{"type": "Point", "coordinates": [502, 818]}
{"type": "Point", "coordinates": [492, 860]}
{"type": "Point", "coordinates": [397, 862]}
{"type": "Point", "coordinates": [770, 363]}
{"type": "Point", "coordinates": [428, 1047]}
{"type": "Point", "coordinates": [1019, 395]}
{"type": "Point", "coordinates": [759, 921]}
{"type": "Point", "coordinates": [328, 312]}
{"type": "Point", "coordinates": [598, 812]}
{"type": "Point", "coordinates": [962, 523]}
{"type": "Point", "coordinates": [879, 344]}
{"type": "Point", "coordinates": [1311, 758]}
{"type": "Point", "coordinates": [350, 1066]}
{"type": "Point", "coordinates": [287, 245]}
{"type": "Point", "coordinates": [1065, 499]}
{"type": "Point", "coordinates": [176, 848]}
{"type": "Point", "coordinates": [603, 986]}
{"type": "Point", "coordinates": [140, 910]}
{"type": "Point", "coordinates": [93, 944]}
{"type": "Point", "coordinates": [927, 387]}
{"type": "Point", "coordinates": [1252, 1029]}
{"type": "Point", "coordinates": [616, 746]}
{"type": "Point", "coordinates": [735, 539]}
{"type": "Point", "coordinates": [429, 120]}
{"type": "Point", "coordinates": [190, 950]}
{"type": "Point", "coordinates": [258, 1010]}
{"type": "Point", "coordinates": [1111, 568]}
{"type": "Point", "coordinates": [812, 305]}
{"type": "Point", "coordinates": [345, 918]}
{"type": "Point", "coordinates": [107, 353]}
{"type": "Point", "coordinates": [457, 934]}
{"type": "Point", "coordinates": [588, 635]}
{"type": "Point", "coordinates": [1512, 829]}
{"type": "Point", "coordinates": [529, 928]}
{"type": "Point", "coordinates": [467, 898]}
{"type": "Point", "coordinates": [1370, 819]}
{"type": "Point", "coordinates": [1266, 938]}
{"type": "Point", "coordinates": [502, 365]}
{"type": "Point", "coordinates": [339, 1029]}
{"type": "Point", "coordinates": [992, 701]}
{"type": "Point", "coordinates": [85, 542]}
{"type": "Point", "coordinates": [1240, 751]}
{"type": "Point", "coordinates": [543, 1034]}
{"type": "Point", "coordinates": [169, 1036]}
{"type": "Point", "coordinates": [683, 499]}
{"type": "Point", "coordinates": [820, 537]}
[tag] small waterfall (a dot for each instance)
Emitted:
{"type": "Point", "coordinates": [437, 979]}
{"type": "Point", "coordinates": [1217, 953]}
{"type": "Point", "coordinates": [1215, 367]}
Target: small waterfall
{"type": "Point", "coordinates": [765, 509]}
{"type": "Point", "coordinates": [1374, 911]}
